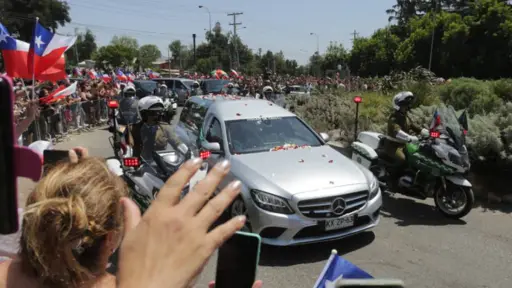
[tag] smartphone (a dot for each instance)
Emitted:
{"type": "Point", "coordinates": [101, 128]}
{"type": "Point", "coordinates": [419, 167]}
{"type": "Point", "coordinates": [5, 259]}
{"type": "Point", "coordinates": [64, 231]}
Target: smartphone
{"type": "Point", "coordinates": [53, 157]}
{"type": "Point", "coordinates": [237, 261]}
{"type": "Point", "coordinates": [369, 283]}
{"type": "Point", "coordinates": [8, 189]}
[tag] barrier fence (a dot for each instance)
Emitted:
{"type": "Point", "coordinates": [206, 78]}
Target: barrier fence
{"type": "Point", "coordinates": [57, 122]}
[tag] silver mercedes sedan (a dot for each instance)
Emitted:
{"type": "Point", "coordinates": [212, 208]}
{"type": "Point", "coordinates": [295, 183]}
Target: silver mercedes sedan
{"type": "Point", "coordinates": [296, 188]}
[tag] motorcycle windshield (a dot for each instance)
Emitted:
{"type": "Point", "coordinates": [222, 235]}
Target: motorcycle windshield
{"type": "Point", "coordinates": [450, 124]}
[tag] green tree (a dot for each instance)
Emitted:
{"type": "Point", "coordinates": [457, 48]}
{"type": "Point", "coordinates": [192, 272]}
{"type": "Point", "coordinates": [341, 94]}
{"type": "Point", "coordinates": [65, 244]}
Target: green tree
{"type": "Point", "coordinates": [148, 54]}
{"type": "Point", "coordinates": [19, 15]}
{"type": "Point", "coordinates": [176, 49]}
{"type": "Point", "coordinates": [126, 41]}
{"type": "Point", "coordinates": [85, 45]}
{"type": "Point", "coordinates": [116, 55]}
{"type": "Point", "coordinates": [374, 56]}
{"type": "Point", "coordinates": [335, 55]}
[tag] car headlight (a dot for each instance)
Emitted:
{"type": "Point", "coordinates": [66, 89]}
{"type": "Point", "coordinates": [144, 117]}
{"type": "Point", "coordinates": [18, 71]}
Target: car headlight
{"type": "Point", "coordinates": [374, 187]}
{"type": "Point", "coordinates": [269, 202]}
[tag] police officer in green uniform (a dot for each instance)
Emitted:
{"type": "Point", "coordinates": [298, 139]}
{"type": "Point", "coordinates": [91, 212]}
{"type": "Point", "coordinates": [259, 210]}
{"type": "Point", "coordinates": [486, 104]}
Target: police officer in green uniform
{"type": "Point", "coordinates": [400, 125]}
{"type": "Point", "coordinates": [150, 134]}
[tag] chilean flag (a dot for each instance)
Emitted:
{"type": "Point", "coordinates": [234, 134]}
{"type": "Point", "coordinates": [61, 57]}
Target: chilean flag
{"type": "Point", "coordinates": [130, 76]}
{"type": "Point", "coordinates": [436, 121]}
{"type": "Point", "coordinates": [153, 75]}
{"type": "Point", "coordinates": [92, 74]}
{"type": "Point", "coordinates": [60, 93]}
{"type": "Point", "coordinates": [106, 78]}
{"type": "Point", "coordinates": [15, 54]}
{"type": "Point", "coordinates": [120, 75]}
{"type": "Point", "coordinates": [46, 49]}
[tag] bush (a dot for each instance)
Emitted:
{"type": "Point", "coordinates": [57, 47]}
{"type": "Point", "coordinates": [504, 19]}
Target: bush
{"type": "Point", "coordinates": [490, 124]}
{"type": "Point", "coordinates": [467, 93]}
{"type": "Point", "coordinates": [503, 89]}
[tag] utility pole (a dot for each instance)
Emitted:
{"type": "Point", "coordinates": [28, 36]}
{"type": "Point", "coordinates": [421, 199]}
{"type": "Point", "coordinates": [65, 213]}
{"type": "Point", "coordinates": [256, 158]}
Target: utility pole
{"type": "Point", "coordinates": [76, 47]}
{"type": "Point", "coordinates": [354, 35]}
{"type": "Point", "coordinates": [433, 37]}
{"type": "Point", "coordinates": [234, 24]}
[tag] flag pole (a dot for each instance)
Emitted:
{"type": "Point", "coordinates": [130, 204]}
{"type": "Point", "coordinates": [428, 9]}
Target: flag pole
{"type": "Point", "coordinates": [36, 126]}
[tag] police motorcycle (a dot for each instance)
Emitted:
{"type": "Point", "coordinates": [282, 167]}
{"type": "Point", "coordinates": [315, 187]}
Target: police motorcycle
{"type": "Point", "coordinates": [169, 99]}
{"type": "Point", "coordinates": [437, 163]}
{"type": "Point", "coordinates": [147, 174]}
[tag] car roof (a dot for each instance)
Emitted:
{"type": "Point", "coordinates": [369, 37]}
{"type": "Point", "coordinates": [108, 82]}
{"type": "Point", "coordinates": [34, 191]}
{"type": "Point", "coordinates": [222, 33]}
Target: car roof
{"type": "Point", "coordinates": [227, 110]}
{"type": "Point", "coordinates": [163, 79]}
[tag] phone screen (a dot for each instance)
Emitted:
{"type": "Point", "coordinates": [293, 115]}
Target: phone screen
{"type": "Point", "coordinates": [238, 261]}
{"type": "Point", "coordinates": [53, 157]}
{"type": "Point", "coordinates": [8, 199]}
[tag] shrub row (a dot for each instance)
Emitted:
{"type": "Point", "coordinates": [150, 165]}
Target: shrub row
{"type": "Point", "coordinates": [489, 104]}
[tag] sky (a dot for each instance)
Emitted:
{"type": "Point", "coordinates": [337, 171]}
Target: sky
{"type": "Point", "coordinates": [270, 25]}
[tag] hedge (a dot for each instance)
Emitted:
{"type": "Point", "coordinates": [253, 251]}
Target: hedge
{"type": "Point", "coordinates": [489, 104]}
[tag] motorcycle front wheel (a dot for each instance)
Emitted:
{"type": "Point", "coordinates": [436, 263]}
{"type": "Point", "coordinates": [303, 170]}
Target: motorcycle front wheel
{"type": "Point", "coordinates": [455, 202]}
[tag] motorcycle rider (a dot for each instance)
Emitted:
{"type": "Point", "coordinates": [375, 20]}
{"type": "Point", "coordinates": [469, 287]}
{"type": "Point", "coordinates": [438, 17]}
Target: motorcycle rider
{"type": "Point", "coordinates": [195, 89]}
{"type": "Point", "coordinates": [150, 134]}
{"type": "Point", "coordinates": [128, 106]}
{"type": "Point", "coordinates": [399, 127]}
{"type": "Point", "coordinates": [230, 88]}
{"type": "Point", "coordinates": [267, 93]}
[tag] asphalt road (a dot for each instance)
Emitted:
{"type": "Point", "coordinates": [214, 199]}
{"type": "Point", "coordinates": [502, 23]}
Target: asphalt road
{"type": "Point", "coordinates": [413, 243]}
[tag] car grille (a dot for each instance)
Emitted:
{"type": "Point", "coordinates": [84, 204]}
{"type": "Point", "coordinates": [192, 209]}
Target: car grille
{"type": "Point", "coordinates": [321, 207]}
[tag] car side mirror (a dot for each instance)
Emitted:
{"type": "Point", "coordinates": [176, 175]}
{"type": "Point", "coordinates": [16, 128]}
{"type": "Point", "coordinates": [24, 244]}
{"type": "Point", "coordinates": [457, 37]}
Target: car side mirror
{"type": "Point", "coordinates": [213, 147]}
{"type": "Point", "coordinates": [196, 116]}
{"type": "Point", "coordinates": [325, 136]}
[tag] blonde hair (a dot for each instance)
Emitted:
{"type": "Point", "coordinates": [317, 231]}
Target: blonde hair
{"type": "Point", "coordinates": [66, 221]}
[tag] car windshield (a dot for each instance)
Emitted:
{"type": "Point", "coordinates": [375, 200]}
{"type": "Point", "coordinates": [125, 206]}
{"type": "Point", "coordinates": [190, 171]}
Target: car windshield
{"type": "Point", "coordinates": [188, 83]}
{"type": "Point", "coordinates": [266, 134]}
{"type": "Point", "coordinates": [148, 86]}
{"type": "Point", "coordinates": [215, 86]}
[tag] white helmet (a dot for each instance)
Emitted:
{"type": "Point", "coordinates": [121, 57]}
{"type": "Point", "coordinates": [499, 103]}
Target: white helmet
{"type": "Point", "coordinates": [129, 91]}
{"type": "Point", "coordinates": [154, 103]}
{"type": "Point", "coordinates": [402, 98]}
{"type": "Point", "coordinates": [267, 89]}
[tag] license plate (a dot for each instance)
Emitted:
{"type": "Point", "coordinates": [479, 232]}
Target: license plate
{"type": "Point", "coordinates": [335, 224]}
{"type": "Point", "coordinates": [174, 105]}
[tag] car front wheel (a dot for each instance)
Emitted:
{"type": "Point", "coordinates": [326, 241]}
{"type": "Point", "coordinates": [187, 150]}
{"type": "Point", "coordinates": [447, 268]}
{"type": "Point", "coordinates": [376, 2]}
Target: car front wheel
{"type": "Point", "coordinates": [238, 208]}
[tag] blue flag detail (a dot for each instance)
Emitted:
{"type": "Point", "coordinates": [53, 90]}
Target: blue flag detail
{"type": "Point", "coordinates": [338, 268]}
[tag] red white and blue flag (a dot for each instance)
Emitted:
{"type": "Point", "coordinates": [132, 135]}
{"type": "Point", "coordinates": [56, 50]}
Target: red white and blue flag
{"type": "Point", "coordinates": [16, 54]}
{"type": "Point", "coordinates": [436, 121]}
{"type": "Point", "coordinates": [92, 74]}
{"type": "Point", "coordinates": [131, 76]}
{"type": "Point", "coordinates": [153, 75]}
{"type": "Point", "coordinates": [120, 75]}
{"type": "Point", "coordinates": [46, 49]}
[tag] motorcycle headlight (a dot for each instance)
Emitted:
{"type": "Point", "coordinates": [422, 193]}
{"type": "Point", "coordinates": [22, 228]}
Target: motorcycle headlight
{"type": "Point", "coordinates": [374, 187]}
{"type": "Point", "coordinates": [269, 202]}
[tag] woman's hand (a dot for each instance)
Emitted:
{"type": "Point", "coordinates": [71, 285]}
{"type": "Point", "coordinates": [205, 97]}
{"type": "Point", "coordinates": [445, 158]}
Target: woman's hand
{"type": "Point", "coordinates": [170, 245]}
{"type": "Point", "coordinates": [77, 153]}
{"type": "Point", "coordinates": [257, 284]}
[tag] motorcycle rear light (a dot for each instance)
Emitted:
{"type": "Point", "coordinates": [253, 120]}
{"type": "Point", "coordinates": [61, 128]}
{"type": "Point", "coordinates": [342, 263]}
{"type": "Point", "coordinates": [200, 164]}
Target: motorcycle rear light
{"type": "Point", "coordinates": [465, 132]}
{"type": "Point", "coordinates": [113, 104]}
{"type": "Point", "coordinates": [435, 134]}
{"type": "Point", "coordinates": [205, 154]}
{"type": "Point", "coordinates": [131, 162]}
